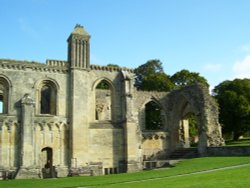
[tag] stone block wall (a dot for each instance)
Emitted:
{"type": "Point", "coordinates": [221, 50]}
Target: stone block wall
{"type": "Point", "coordinates": [229, 151]}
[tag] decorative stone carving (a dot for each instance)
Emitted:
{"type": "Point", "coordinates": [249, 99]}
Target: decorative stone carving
{"type": "Point", "coordinates": [27, 100]}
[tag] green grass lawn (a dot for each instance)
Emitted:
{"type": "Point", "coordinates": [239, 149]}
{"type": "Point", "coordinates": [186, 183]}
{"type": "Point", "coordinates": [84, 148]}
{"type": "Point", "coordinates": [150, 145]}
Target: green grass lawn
{"type": "Point", "coordinates": [188, 166]}
{"type": "Point", "coordinates": [230, 178]}
{"type": "Point", "coordinates": [240, 142]}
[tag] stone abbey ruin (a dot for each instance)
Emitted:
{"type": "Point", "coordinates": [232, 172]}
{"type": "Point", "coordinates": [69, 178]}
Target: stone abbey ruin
{"type": "Point", "coordinates": [55, 120]}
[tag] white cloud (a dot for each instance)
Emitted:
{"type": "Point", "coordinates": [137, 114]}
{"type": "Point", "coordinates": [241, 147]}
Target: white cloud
{"type": "Point", "coordinates": [241, 68]}
{"type": "Point", "coordinates": [213, 67]}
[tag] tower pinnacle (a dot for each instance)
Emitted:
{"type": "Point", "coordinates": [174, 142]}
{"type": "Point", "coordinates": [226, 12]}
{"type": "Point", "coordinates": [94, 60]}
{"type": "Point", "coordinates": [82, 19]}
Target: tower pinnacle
{"type": "Point", "coordinates": [78, 48]}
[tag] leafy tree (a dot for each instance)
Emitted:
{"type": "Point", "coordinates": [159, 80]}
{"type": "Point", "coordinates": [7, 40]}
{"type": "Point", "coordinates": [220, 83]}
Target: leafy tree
{"type": "Point", "coordinates": [151, 77]}
{"type": "Point", "coordinates": [234, 100]}
{"type": "Point", "coordinates": [184, 78]}
{"type": "Point", "coordinates": [103, 85]}
{"type": "Point", "coordinates": [193, 129]}
{"type": "Point", "coordinates": [113, 65]}
{"type": "Point", "coordinates": [153, 116]}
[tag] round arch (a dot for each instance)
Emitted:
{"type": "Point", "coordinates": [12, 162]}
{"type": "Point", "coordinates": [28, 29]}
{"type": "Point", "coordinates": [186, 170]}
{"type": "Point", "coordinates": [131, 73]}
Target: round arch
{"type": "Point", "coordinates": [5, 93]}
{"type": "Point", "coordinates": [47, 91]}
{"type": "Point", "coordinates": [44, 80]}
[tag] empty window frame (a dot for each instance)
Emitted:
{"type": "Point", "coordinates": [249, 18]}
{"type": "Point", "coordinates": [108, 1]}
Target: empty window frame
{"type": "Point", "coordinates": [48, 98]}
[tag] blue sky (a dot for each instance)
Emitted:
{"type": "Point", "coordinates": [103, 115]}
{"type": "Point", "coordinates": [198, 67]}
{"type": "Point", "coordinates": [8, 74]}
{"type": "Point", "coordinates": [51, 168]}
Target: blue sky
{"type": "Point", "coordinates": [211, 37]}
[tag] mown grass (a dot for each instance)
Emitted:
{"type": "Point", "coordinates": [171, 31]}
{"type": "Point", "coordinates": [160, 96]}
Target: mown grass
{"type": "Point", "coordinates": [240, 142]}
{"type": "Point", "coordinates": [229, 178]}
{"type": "Point", "coordinates": [188, 166]}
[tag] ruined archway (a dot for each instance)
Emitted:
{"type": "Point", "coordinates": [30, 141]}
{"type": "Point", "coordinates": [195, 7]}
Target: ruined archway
{"type": "Point", "coordinates": [153, 124]}
{"type": "Point", "coordinates": [188, 127]}
{"type": "Point", "coordinates": [193, 100]}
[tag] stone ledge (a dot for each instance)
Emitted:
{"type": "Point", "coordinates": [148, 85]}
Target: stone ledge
{"type": "Point", "coordinates": [154, 134]}
{"type": "Point", "coordinates": [104, 125]}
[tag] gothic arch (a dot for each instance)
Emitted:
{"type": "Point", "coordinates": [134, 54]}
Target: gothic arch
{"type": "Point", "coordinates": [96, 82]}
{"type": "Point", "coordinates": [154, 103]}
{"type": "Point", "coordinates": [194, 99]}
{"type": "Point", "coordinates": [104, 100]}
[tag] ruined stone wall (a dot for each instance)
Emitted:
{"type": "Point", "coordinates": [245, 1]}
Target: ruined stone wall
{"type": "Point", "coordinates": [48, 130]}
{"type": "Point", "coordinates": [9, 142]}
{"type": "Point", "coordinates": [203, 106]}
{"type": "Point", "coordinates": [97, 140]}
{"type": "Point", "coordinates": [83, 129]}
{"type": "Point", "coordinates": [117, 141]}
{"type": "Point", "coordinates": [229, 151]}
{"type": "Point", "coordinates": [153, 143]}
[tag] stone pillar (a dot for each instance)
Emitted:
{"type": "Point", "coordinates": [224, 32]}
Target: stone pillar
{"type": "Point", "coordinates": [27, 131]}
{"type": "Point", "coordinates": [27, 162]}
{"type": "Point", "coordinates": [186, 135]}
{"type": "Point", "coordinates": [132, 136]}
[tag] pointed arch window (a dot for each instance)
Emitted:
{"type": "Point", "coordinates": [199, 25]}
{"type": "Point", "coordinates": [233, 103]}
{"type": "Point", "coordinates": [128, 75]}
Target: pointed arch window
{"type": "Point", "coordinates": [153, 116]}
{"type": "Point", "coordinates": [103, 100]}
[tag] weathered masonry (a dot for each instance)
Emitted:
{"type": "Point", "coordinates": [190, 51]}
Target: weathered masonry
{"type": "Point", "coordinates": [67, 117]}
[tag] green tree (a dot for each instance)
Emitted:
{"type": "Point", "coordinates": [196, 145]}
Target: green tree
{"type": "Point", "coordinates": [113, 65]}
{"type": "Point", "coordinates": [184, 78]}
{"type": "Point", "coordinates": [153, 116]}
{"type": "Point", "coordinates": [234, 101]}
{"type": "Point", "coordinates": [103, 85]}
{"type": "Point", "coordinates": [151, 77]}
{"type": "Point", "coordinates": [193, 129]}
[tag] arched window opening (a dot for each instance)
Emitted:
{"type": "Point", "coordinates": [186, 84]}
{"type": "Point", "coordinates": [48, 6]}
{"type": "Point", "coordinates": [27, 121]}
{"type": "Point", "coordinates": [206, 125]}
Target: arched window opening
{"type": "Point", "coordinates": [4, 94]}
{"type": "Point", "coordinates": [1, 102]}
{"type": "Point", "coordinates": [153, 116]}
{"type": "Point", "coordinates": [45, 100]}
{"type": "Point", "coordinates": [103, 101]}
{"type": "Point", "coordinates": [48, 99]}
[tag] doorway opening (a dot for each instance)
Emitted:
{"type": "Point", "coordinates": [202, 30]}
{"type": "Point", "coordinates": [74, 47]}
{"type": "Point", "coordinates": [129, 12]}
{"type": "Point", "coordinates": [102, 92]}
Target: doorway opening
{"type": "Point", "coordinates": [48, 170]}
{"type": "Point", "coordinates": [188, 132]}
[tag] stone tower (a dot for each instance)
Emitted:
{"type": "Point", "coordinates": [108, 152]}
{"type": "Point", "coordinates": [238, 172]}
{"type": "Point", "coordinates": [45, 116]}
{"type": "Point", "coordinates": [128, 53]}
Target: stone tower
{"type": "Point", "coordinates": [78, 48]}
